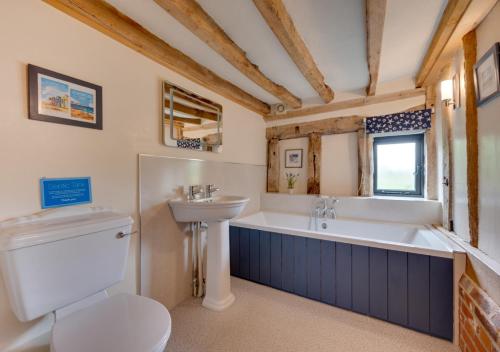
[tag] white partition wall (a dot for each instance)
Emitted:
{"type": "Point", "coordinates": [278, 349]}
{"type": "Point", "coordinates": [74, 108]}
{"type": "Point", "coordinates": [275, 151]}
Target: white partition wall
{"type": "Point", "coordinates": [165, 246]}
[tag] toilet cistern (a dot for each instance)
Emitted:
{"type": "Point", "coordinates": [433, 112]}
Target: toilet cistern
{"type": "Point", "coordinates": [216, 212]}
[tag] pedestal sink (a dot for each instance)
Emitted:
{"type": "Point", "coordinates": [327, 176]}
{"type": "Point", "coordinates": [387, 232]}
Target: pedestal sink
{"type": "Point", "coordinates": [216, 212]}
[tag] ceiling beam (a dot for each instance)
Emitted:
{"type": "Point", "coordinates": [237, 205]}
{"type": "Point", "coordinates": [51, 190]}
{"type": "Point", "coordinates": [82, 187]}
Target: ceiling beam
{"type": "Point", "coordinates": [454, 11]}
{"type": "Point", "coordinates": [375, 18]}
{"type": "Point", "coordinates": [279, 20]}
{"type": "Point", "coordinates": [348, 104]}
{"type": "Point", "coordinates": [105, 18]}
{"type": "Point", "coordinates": [193, 17]}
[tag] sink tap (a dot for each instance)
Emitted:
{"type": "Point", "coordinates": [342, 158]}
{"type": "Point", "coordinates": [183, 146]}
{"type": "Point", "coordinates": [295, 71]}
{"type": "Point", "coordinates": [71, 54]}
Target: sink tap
{"type": "Point", "coordinates": [195, 192]}
{"type": "Point", "coordinates": [210, 190]}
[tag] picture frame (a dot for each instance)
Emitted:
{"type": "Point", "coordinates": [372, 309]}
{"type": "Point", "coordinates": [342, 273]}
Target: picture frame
{"type": "Point", "coordinates": [57, 98]}
{"type": "Point", "coordinates": [293, 158]}
{"type": "Point", "coordinates": [486, 75]}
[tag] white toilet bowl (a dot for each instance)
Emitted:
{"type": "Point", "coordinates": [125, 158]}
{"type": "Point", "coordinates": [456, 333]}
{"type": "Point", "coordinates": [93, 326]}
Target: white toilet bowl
{"type": "Point", "coordinates": [124, 323]}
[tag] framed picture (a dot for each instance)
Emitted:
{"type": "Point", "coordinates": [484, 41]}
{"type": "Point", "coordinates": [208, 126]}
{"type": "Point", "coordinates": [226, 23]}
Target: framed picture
{"type": "Point", "coordinates": [54, 97]}
{"type": "Point", "coordinates": [486, 75]}
{"type": "Point", "coordinates": [456, 91]}
{"type": "Point", "coordinates": [293, 158]}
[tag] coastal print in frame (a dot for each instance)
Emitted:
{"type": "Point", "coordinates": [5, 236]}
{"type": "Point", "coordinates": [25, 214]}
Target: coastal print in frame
{"type": "Point", "coordinates": [54, 97]}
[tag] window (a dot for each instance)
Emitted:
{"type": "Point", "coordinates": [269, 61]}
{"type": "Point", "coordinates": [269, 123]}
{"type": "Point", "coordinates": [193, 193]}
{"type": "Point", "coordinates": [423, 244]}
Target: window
{"type": "Point", "coordinates": [399, 165]}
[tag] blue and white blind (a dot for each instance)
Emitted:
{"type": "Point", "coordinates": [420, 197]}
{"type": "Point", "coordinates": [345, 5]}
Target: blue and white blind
{"type": "Point", "coordinates": [403, 121]}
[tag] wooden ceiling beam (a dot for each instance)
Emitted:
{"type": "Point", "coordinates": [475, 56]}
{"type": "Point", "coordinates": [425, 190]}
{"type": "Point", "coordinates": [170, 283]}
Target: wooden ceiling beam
{"type": "Point", "coordinates": [193, 17]}
{"type": "Point", "coordinates": [105, 18]}
{"type": "Point", "coordinates": [348, 104]}
{"type": "Point", "coordinates": [454, 11]}
{"type": "Point", "coordinates": [375, 18]}
{"type": "Point", "coordinates": [280, 22]}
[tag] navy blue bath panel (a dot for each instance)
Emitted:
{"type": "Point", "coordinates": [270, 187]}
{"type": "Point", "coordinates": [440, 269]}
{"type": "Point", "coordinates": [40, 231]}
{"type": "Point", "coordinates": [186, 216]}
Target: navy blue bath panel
{"type": "Point", "coordinates": [411, 290]}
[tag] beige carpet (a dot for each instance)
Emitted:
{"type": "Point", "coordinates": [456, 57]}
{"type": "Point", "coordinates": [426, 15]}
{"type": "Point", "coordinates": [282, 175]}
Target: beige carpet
{"type": "Point", "coordinates": [263, 319]}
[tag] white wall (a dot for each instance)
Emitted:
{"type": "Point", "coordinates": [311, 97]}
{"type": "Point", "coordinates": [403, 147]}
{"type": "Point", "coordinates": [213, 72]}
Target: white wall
{"type": "Point", "coordinates": [488, 32]}
{"type": "Point", "coordinates": [166, 246]}
{"type": "Point", "coordinates": [297, 143]}
{"type": "Point", "coordinates": [36, 33]}
{"type": "Point", "coordinates": [339, 164]}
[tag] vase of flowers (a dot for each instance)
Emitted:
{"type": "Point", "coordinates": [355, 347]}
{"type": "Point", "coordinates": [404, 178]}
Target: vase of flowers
{"type": "Point", "coordinates": [291, 180]}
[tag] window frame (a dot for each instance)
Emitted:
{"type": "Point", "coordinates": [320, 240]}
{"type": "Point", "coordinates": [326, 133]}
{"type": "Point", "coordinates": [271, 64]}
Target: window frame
{"type": "Point", "coordinates": [419, 140]}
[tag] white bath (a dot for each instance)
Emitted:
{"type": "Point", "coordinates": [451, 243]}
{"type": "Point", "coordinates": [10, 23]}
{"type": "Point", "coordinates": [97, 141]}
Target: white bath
{"type": "Point", "coordinates": [410, 238]}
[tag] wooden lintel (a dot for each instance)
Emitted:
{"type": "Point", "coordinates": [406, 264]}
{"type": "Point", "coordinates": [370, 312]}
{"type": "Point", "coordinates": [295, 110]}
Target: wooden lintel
{"type": "Point", "coordinates": [314, 163]}
{"type": "Point", "coordinates": [454, 11]}
{"type": "Point", "coordinates": [334, 125]}
{"type": "Point", "coordinates": [471, 132]}
{"type": "Point", "coordinates": [375, 18]}
{"type": "Point", "coordinates": [105, 18]}
{"type": "Point", "coordinates": [199, 22]}
{"type": "Point", "coordinates": [347, 104]}
{"type": "Point", "coordinates": [277, 17]}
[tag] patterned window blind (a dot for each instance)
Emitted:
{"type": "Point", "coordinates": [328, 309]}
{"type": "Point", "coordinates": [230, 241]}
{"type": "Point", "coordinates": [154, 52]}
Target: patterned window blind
{"type": "Point", "coordinates": [403, 121]}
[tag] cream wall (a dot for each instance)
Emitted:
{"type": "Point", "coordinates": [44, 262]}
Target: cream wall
{"type": "Point", "coordinates": [33, 32]}
{"type": "Point", "coordinates": [339, 164]}
{"type": "Point", "coordinates": [488, 32]}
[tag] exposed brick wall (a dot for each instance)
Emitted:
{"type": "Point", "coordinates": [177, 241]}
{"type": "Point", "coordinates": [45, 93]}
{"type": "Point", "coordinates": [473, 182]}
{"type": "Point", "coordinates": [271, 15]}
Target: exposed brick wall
{"type": "Point", "coordinates": [479, 319]}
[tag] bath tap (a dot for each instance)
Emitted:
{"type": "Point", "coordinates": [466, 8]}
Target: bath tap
{"type": "Point", "coordinates": [322, 210]}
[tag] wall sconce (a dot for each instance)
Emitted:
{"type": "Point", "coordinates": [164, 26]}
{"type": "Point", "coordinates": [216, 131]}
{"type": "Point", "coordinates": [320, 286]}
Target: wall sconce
{"type": "Point", "coordinates": [447, 92]}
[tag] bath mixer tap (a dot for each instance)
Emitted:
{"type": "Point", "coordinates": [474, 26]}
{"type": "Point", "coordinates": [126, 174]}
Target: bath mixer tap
{"type": "Point", "coordinates": [322, 210]}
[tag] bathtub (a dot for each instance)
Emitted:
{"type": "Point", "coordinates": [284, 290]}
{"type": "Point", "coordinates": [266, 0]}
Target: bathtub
{"type": "Point", "coordinates": [400, 273]}
{"type": "Point", "coordinates": [396, 236]}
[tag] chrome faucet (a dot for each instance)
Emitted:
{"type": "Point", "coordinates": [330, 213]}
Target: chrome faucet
{"type": "Point", "coordinates": [195, 192]}
{"type": "Point", "coordinates": [322, 210]}
{"type": "Point", "coordinates": [210, 190]}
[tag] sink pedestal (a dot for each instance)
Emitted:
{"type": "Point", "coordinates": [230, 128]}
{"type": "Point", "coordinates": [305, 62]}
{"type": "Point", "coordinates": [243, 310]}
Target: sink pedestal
{"type": "Point", "coordinates": [218, 295]}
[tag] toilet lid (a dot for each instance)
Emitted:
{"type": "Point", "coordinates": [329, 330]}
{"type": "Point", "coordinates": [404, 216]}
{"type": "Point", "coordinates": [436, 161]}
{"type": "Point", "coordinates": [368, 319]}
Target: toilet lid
{"type": "Point", "coordinates": [125, 323]}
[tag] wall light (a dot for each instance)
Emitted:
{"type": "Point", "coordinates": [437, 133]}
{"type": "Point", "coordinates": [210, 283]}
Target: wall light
{"type": "Point", "coordinates": [447, 92]}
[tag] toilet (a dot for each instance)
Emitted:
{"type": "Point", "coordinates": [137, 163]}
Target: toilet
{"type": "Point", "coordinates": [61, 262]}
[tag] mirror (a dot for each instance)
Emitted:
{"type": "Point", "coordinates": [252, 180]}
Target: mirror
{"type": "Point", "coordinates": [190, 121]}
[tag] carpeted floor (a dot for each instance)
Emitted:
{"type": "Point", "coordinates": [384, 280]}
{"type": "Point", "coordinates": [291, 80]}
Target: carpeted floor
{"type": "Point", "coordinates": [263, 319]}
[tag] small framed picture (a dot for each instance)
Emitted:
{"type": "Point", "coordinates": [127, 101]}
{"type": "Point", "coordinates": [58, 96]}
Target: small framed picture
{"type": "Point", "coordinates": [487, 76]}
{"type": "Point", "coordinates": [293, 158]}
{"type": "Point", "coordinates": [54, 97]}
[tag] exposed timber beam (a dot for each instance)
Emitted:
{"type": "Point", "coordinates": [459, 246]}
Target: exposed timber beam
{"type": "Point", "coordinates": [375, 18]}
{"type": "Point", "coordinates": [105, 18]}
{"type": "Point", "coordinates": [454, 11]}
{"type": "Point", "coordinates": [334, 125]}
{"type": "Point", "coordinates": [187, 120]}
{"type": "Point", "coordinates": [471, 129]}
{"type": "Point", "coordinates": [193, 17]}
{"type": "Point", "coordinates": [280, 22]}
{"type": "Point", "coordinates": [347, 104]}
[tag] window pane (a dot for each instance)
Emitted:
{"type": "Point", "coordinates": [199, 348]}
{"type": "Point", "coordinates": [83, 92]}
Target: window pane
{"type": "Point", "coordinates": [396, 167]}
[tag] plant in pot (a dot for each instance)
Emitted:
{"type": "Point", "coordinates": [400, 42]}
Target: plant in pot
{"type": "Point", "coordinates": [291, 180]}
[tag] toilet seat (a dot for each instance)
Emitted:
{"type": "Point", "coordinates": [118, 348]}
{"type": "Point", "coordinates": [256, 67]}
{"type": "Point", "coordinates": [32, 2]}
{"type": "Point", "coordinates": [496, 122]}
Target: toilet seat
{"type": "Point", "coordinates": [121, 323]}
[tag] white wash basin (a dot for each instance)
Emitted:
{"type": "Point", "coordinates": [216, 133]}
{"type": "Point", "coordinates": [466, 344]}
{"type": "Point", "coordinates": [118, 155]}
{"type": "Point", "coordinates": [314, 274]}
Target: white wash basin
{"type": "Point", "coordinates": [216, 211]}
{"type": "Point", "coordinates": [212, 209]}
